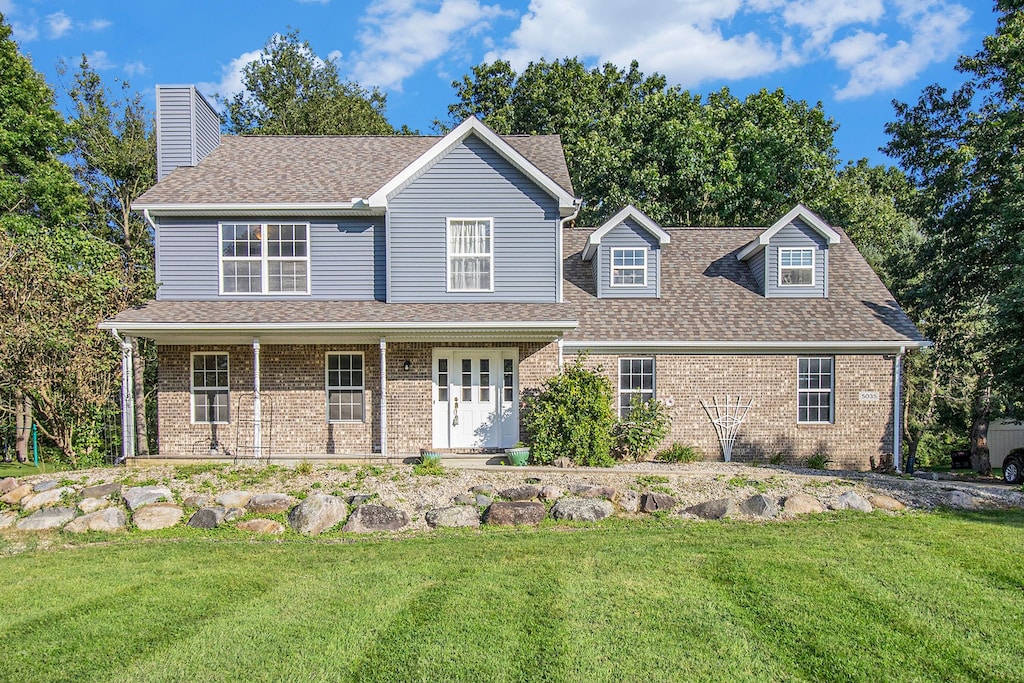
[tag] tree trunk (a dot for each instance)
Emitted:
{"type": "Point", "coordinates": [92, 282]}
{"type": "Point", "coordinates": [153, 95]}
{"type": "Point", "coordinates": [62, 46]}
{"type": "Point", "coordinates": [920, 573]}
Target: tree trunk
{"type": "Point", "coordinates": [139, 369]}
{"type": "Point", "coordinates": [22, 424]}
{"type": "Point", "coordinates": [979, 430]}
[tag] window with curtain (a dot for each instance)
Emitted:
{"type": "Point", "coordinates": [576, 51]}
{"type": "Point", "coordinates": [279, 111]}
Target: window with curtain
{"type": "Point", "coordinates": [470, 255]}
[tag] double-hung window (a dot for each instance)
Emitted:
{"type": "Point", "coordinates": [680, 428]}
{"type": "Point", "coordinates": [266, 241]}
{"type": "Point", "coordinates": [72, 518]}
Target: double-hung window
{"type": "Point", "coordinates": [636, 381]}
{"type": "Point", "coordinates": [629, 267]}
{"type": "Point", "coordinates": [264, 258]}
{"type": "Point", "coordinates": [814, 390]}
{"type": "Point", "coordinates": [209, 388]}
{"type": "Point", "coordinates": [470, 255]}
{"type": "Point", "coordinates": [345, 387]}
{"type": "Point", "coordinates": [796, 267]}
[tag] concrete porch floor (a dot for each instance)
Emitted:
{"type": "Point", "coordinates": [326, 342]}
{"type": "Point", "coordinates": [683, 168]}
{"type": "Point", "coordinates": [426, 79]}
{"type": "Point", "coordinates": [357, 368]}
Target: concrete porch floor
{"type": "Point", "coordinates": [292, 459]}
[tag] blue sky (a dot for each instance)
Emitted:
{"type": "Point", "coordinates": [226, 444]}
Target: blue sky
{"type": "Point", "coordinates": [855, 56]}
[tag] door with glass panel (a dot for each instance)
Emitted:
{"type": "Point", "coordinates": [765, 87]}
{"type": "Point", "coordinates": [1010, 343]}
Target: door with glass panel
{"type": "Point", "coordinates": [475, 398]}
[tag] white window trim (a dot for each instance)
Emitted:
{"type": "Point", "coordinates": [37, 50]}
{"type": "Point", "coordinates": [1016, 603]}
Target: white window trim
{"type": "Point", "coordinates": [328, 387]}
{"type": "Point", "coordinates": [264, 259]}
{"type": "Point", "coordinates": [619, 390]}
{"type": "Point", "coordinates": [831, 393]}
{"type": "Point", "coordinates": [448, 253]}
{"type": "Point", "coordinates": [192, 386]}
{"type": "Point", "coordinates": [814, 258]}
{"type": "Point", "coordinates": [612, 267]}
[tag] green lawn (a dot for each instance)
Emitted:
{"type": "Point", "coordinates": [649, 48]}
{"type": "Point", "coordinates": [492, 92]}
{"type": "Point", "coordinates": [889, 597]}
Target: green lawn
{"type": "Point", "coordinates": [842, 597]}
{"type": "Point", "coordinates": [17, 469]}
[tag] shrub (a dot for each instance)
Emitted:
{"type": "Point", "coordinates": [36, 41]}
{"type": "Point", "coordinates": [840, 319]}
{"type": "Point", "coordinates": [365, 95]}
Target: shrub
{"type": "Point", "coordinates": [818, 461]}
{"type": "Point", "coordinates": [677, 452]}
{"type": "Point", "coordinates": [644, 428]}
{"type": "Point", "coordinates": [571, 416]}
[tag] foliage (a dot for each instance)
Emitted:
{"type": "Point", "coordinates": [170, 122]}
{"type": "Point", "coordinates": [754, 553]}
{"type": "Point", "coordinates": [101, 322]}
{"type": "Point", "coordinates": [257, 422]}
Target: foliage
{"type": "Point", "coordinates": [818, 461]}
{"type": "Point", "coordinates": [429, 465]}
{"type": "Point", "coordinates": [643, 428]}
{"type": "Point", "coordinates": [289, 90]}
{"type": "Point", "coordinates": [936, 447]}
{"type": "Point", "coordinates": [571, 417]}
{"type": "Point", "coordinates": [678, 452]}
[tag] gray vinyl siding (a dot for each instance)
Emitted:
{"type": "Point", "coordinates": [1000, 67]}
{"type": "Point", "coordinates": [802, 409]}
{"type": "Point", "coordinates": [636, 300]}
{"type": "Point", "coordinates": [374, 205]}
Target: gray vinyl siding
{"type": "Point", "coordinates": [756, 265]}
{"type": "Point", "coordinates": [797, 234]}
{"type": "Point", "coordinates": [188, 128]}
{"type": "Point", "coordinates": [627, 235]}
{"type": "Point", "coordinates": [473, 181]}
{"type": "Point", "coordinates": [346, 259]}
{"type": "Point", "coordinates": [207, 128]}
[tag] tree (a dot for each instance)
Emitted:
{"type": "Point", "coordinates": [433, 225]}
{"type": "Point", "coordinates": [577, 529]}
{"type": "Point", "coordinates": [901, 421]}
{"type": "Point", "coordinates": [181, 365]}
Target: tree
{"type": "Point", "coordinates": [289, 90]}
{"type": "Point", "coordinates": [962, 150]}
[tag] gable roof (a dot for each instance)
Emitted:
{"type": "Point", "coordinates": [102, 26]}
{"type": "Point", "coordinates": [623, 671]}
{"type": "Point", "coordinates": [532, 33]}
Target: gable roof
{"type": "Point", "coordinates": [799, 211]}
{"type": "Point", "coordinates": [630, 211]}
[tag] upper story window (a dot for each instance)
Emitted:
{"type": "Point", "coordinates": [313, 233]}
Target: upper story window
{"type": "Point", "coordinates": [264, 258]}
{"type": "Point", "coordinates": [209, 388]}
{"type": "Point", "coordinates": [814, 390]}
{"type": "Point", "coordinates": [796, 267]}
{"type": "Point", "coordinates": [629, 268]}
{"type": "Point", "coordinates": [470, 255]}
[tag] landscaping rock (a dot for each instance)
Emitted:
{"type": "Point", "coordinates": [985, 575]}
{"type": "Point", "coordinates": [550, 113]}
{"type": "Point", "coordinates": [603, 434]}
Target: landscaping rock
{"type": "Point", "coordinates": [852, 501]}
{"type": "Point", "coordinates": [606, 492]}
{"type": "Point", "coordinates": [157, 516]}
{"type": "Point", "coordinates": [359, 499]}
{"type": "Point", "coordinates": [563, 462]}
{"type": "Point", "coordinates": [802, 504]}
{"type": "Point", "coordinates": [138, 496]}
{"type": "Point", "coordinates": [888, 503]}
{"type": "Point", "coordinates": [8, 484]}
{"type": "Point", "coordinates": [270, 503]}
{"type": "Point", "coordinates": [233, 513]}
{"type": "Point", "coordinates": [233, 499]}
{"type": "Point", "coordinates": [959, 500]}
{"type": "Point", "coordinates": [550, 492]}
{"type": "Point", "coordinates": [483, 489]}
{"type": "Point", "coordinates": [90, 505]}
{"type": "Point", "coordinates": [527, 492]}
{"type": "Point", "coordinates": [507, 514]}
{"type": "Point", "coordinates": [482, 500]}
{"type": "Point", "coordinates": [47, 485]}
{"type": "Point", "coordinates": [101, 491]}
{"type": "Point", "coordinates": [197, 500]}
{"type": "Point", "coordinates": [207, 518]}
{"type": "Point", "coordinates": [8, 518]}
{"type": "Point", "coordinates": [46, 499]}
{"type": "Point", "coordinates": [14, 496]}
{"type": "Point", "coordinates": [109, 520]}
{"type": "Point", "coordinates": [628, 500]}
{"type": "Point", "coordinates": [465, 499]}
{"type": "Point", "coordinates": [43, 520]}
{"type": "Point", "coordinates": [582, 509]}
{"type": "Point", "coordinates": [371, 518]}
{"type": "Point", "coordinates": [652, 502]}
{"type": "Point", "coordinates": [457, 516]}
{"type": "Point", "coordinates": [317, 513]}
{"type": "Point", "coordinates": [261, 526]}
{"type": "Point", "coordinates": [760, 506]}
{"type": "Point", "coordinates": [714, 509]}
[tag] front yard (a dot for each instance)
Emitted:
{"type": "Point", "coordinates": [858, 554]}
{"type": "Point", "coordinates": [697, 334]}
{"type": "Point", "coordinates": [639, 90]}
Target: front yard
{"type": "Point", "coordinates": [839, 596]}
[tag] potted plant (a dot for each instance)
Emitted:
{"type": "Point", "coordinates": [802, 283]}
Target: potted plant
{"type": "Point", "coordinates": [518, 455]}
{"type": "Point", "coordinates": [429, 457]}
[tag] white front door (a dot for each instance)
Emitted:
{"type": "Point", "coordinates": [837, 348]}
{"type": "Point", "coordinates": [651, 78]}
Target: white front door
{"type": "Point", "coordinates": [475, 398]}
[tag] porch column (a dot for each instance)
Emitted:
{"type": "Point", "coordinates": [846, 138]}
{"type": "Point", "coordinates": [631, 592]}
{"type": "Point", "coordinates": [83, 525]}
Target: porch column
{"type": "Point", "coordinates": [383, 397]}
{"type": "Point", "coordinates": [257, 410]}
{"type": "Point", "coordinates": [127, 398]}
{"type": "Point", "coordinates": [897, 409]}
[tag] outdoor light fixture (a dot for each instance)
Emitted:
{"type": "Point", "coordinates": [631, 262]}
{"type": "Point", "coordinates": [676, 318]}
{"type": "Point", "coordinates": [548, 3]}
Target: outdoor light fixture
{"type": "Point", "coordinates": [407, 365]}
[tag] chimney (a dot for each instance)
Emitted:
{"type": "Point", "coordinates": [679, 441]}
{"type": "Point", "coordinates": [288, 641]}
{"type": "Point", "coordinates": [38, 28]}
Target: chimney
{"type": "Point", "coordinates": [187, 128]}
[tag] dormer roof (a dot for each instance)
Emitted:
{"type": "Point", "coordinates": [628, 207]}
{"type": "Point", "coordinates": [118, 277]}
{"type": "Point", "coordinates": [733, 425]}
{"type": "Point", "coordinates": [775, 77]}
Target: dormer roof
{"type": "Point", "coordinates": [638, 216]}
{"type": "Point", "coordinates": [799, 211]}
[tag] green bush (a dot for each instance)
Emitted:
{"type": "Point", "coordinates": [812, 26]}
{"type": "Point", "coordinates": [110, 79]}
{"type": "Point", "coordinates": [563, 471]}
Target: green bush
{"type": "Point", "coordinates": [644, 428]}
{"type": "Point", "coordinates": [677, 452]}
{"type": "Point", "coordinates": [935, 448]}
{"type": "Point", "coordinates": [818, 461]}
{"type": "Point", "coordinates": [571, 416]}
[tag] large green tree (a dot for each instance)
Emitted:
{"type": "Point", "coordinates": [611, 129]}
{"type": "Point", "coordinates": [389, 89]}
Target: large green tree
{"type": "Point", "coordinates": [963, 151]}
{"type": "Point", "coordinates": [289, 90]}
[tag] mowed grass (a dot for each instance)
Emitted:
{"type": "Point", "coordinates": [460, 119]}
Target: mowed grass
{"type": "Point", "coordinates": [841, 597]}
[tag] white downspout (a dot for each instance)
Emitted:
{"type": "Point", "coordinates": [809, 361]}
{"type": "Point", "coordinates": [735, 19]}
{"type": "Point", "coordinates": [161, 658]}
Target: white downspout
{"type": "Point", "coordinates": [127, 399]}
{"type": "Point", "coordinates": [257, 408]}
{"type": "Point", "coordinates": [383, 398]}
{"type": "Point", "coordinates": [897, 409]}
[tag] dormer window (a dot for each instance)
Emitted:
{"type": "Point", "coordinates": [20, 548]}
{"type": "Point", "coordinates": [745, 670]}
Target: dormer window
{"type": "Point", "coordinates": [629, 268]}
{"type": "Point", "coordinates": [796, 267]}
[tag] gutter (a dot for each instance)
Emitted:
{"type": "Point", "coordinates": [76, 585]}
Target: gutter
{"type": "Point", "coordinates": [742, 346]}
{"type": "Point", "coordinates": [361, 326]}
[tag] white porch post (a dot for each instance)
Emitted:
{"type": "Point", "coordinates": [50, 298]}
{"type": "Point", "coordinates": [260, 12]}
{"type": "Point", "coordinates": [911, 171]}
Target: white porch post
{"type": "Point", "coordinates": [127, 398]}
{"type": "Point", "coordinates": [383, 397]}
{"type": "Point", "coordinates": [897, 409]}
{"type": "Point", "coordinates": [257, 410]}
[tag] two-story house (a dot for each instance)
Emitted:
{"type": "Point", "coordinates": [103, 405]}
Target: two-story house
{"type": "Point", "coordinates": [348, 295]}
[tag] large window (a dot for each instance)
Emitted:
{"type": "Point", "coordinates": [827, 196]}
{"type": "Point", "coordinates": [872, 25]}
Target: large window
{"type": "Point", "coordinates": [345, 387]}
{"type": "Point", "coordinates": [264, 258]}
{"type": "Point", "coordinates": [470, 255]}
{"type": "Point", "coordinates": [796, 267]}
{"type": "Point", "coordinates": [629, 268]}
{"type": "Point", "coordinates": [209, 388]}
{"type": "Point", "coordinates": [814, 390]}
{"type": "Point", "coordinates": [636, 380]}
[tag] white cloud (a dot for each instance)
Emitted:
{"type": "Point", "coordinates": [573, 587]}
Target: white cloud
{"type": "Point", "coordinates": [230, 76]}
{"type": "Point", "coordinates": [400, 36]}
{"type": "Point", "coordinates": [58, 23]}
{"type": "Point", "coordinates": [24, 33]}
{"type": "Point", "coordinates": [99, 60]}
{"type": "Point", "coordinates": [822, 18]}
{"type": "Point", "coordinates": [96, 25]}
{"type": "Point", "coordinates": [135, 68]}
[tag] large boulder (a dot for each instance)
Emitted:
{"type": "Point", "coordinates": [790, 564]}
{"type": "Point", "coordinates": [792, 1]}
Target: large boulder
{"type": "Point", "coordinates": [527, 492]}
{"type": "Point", "coordinates": [207, 518]}
{"type": "Point", "coordinates": [101, 490]}
{"type": "Point", "coordinates": [582, 509]}
{"type": "Point", "coordinates": [233, 499]}
{"type": "Point", "coordinates": [157, 516]}
{"type": "Point", "coordinates": [455, 516]}
{"type": "Point", "coordinates": [851, 500]}
{"type": "Point", "coordinates": [43, 520]}
{"type": "Point", "coordinates": [108, 519]}
{"type": "Point", "coordinates": [8, 518]}
{"type": "Point", "coordinates": [197, 500]}
{"type": "Point", "coordinates": [760, 505]}
{"type": "Point", "coordinates": [370, 518]}
{"type": "Point", "coordinates": [270, 503]}
{"type": "Point", "coordinates": [628, 500]}
{"type": "Point", "coordinates": [959, 500]}
{"type": "Point", "coordinates": [14, 496]}
{"type": "Point", "coordinates": [261, 526]}
{"type": "Point", "coordinates": [8, 484]}
{"type": "Point", "coordinates": [139, 496]}
{"type": "Point", "coordinates": [653, 502]}
{"type": "Point", "coordinates": [802, 504]}
{"type": "Point", "coordinates": [606, 492]}
{"type": "Point", "coordinates": [482, 501]}
{"type": "Point", "coordinates": [550, 492]}
{"type": "Point", "coordinates": [46, 499]}
{"type": "Point", "coordinates": [317, 513]}
{"type": "Point", "coordinates": [714, 509]}
{"type": "Point", "coordinates": [520, 512]}
{"type": "Point", "coordinates": [46, 485]}
{"type": "Point", "coordinates": [483, 489]}
{"type": "Point", "coordinates": [888, 503]}
{"type": "Point", "coordinates": [88, 505]}
{"type": "Point", "coordinates": [465, 499]}
{"type": "Point", "coordinates": [357, 499]}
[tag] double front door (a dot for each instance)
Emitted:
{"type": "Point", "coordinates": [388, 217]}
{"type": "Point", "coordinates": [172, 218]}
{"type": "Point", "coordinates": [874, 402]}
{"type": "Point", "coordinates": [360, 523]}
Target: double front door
{"type": "Point", "coordinates": [475, 397]}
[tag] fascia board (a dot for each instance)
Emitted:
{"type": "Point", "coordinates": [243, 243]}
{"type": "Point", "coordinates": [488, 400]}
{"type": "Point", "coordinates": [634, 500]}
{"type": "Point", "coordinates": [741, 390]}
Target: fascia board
{"type": "Point", "coordinates": [263, 209]}
{"type": "Point", "coordinates": [629, 346]}
{"type": "Point", "coordinates": [801, 211]}
{"type": "Point", "coordinates": [629, 212]}
{"type": "Point", "coordinates": [357, 326]}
